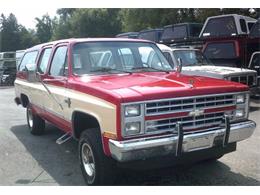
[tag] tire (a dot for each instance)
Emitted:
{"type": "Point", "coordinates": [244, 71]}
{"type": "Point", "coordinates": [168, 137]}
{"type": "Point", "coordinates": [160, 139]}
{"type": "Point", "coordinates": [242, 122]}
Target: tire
{"type": "Point", "coordinates": [35, 123]}
{"type": "Point", "coordinates": [215, 158]}
{"type": "Point", "coordinates": [96, 167]}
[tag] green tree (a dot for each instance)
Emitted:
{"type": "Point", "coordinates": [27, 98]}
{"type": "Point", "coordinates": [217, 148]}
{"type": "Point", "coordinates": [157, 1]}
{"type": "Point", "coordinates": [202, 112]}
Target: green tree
{"type": "Point", "coordinates": [95, 23]}
{"type": "Point", "coordinates": [44, 28]}
{"type": "Point", "coordinates": [28, 38]}
{"type": "Point", "coordinates": [10, 39]}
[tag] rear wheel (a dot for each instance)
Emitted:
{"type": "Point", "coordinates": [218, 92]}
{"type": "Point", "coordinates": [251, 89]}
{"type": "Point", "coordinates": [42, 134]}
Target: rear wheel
{"type": "Point", "coordinates": [96, 167]}
{"type": "Point", "coordinates": [35, 123]}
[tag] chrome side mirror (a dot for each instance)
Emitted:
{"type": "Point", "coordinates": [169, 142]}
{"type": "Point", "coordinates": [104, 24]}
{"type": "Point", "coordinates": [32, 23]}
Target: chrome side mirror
{"type": "Point", "coordinates": [179, 65]}
{"type": "Point", "coordinates": [30, 69]}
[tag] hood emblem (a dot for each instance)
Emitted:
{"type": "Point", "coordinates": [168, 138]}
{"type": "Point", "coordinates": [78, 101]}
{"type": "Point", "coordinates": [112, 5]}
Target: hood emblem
{"type": "Point", "coordinates": [196, 112]}
{"type": "Point", "coordinates": [191, 82]}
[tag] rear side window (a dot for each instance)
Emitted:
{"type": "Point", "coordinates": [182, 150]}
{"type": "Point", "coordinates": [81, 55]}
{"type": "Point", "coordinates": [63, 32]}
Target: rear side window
{"type": "Point", "coordinates": [44, 60]}
{"type": "Point", "coordinates": [243, 25]}
{"type": "Point", "coordinates": [175, 32]}
{"type": "Point", "coordinates": [255, 30]}
{"type": "Point", "coordinates": [220, 51]}
{"type": "Point", "coordinates": [255, 63]}
{"type": "Point", "coordinates": [250, 25]}
{"type": "Point", "coordinates": [59, 66]}
{"type": "Point", "coordinates": [223, 26]}
{"type": "Point", "coordinates": [29, 58]}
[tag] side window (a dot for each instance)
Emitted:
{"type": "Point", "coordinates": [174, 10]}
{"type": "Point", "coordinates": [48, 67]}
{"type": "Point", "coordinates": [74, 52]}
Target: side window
{"type": "Point", "coordinates": [243, 25]}
{"type": "Point", "coordinates": [29, 58]}
{"type": "Point", "coordinates": [168, 57]}
{"type": "Point", "coordinates": [44, 60]}
{"type": "Point", "coordinates": [59, 66]}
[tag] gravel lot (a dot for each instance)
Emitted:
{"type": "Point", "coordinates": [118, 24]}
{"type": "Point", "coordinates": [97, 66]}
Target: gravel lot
{"type": "Point", "coordinates": [30, 160]}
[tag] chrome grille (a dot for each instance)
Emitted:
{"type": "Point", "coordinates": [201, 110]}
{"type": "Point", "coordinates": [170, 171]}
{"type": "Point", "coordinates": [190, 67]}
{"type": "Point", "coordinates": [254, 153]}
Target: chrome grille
{"type": "Point", "coordinates": [178, 105]}
{"type": "Point", "coordinates": [196, 123]}
{"type": "Point", "coordinates": [245, 79]}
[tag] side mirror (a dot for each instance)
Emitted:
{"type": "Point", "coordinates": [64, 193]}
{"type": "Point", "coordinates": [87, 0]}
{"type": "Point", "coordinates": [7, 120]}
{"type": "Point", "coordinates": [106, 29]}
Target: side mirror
{"type": "Point", "coordinates": [179, 65]}
{"type": "Point", "coordinates": [30, 69]}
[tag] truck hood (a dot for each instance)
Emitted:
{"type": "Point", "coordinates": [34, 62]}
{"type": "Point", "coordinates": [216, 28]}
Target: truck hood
{"type": "Point", "coordinates": [152, 85]}
{"type": "Point", "coordinates": [216, 71]}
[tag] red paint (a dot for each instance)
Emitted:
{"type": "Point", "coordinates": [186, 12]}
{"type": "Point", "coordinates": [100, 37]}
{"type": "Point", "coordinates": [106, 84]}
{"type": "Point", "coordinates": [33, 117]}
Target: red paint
{"type": "Point", "coordinates": [165, 116]}
{"type": "Point", "coordinates": [220, 109]}
{"type": "Point", "coordinates": [59, 122]}
{"type": "Point", "coordinates": [105, 142]}
{"type": "Point", "coordinates": [183, 114]}
{"type": "Point", "coordinates": [124, 88]}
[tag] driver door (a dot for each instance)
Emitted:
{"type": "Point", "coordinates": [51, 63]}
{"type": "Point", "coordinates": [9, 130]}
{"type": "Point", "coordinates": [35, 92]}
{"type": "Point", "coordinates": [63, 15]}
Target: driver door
{"type": "Point", "coordinates": [55, 100]}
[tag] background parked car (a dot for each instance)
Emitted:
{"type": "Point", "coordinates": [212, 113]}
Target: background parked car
{"type": "Point", "coordinates": [193, 62]}
{"type": "Point", "coordinates": [7, 68]}
{"type": "Point", "coordinates": [225, 39]}
{"type": "Point", "coordinates": [151, 34]}
{"type": "Point", "coordinates": [182, 35]}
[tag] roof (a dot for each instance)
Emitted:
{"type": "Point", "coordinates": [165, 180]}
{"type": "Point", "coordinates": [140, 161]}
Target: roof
{"type": "Point", "coordinates": [234, 15]}
{"type": "Point", "coordinates": [127, 33]}
{"type": "Point", "coordinates": [81, 40]}
{"type": "Point", "coordinates": [166, 48]}
{"type": "Point", "coordinates": [185, 23]}
{"type": "Point", "coordinates": [150, 30]}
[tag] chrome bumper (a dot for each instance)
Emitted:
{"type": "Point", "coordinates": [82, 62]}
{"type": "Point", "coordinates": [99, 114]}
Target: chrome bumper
{"type": "Point", "coordinates": [142, 148]}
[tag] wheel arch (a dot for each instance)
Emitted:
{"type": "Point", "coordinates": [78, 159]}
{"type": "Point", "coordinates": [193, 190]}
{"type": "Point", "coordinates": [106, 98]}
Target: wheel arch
{"type": "Point", "coordinates": [82, 120]}
{"type": "Point", "coordinates": [24, 100]}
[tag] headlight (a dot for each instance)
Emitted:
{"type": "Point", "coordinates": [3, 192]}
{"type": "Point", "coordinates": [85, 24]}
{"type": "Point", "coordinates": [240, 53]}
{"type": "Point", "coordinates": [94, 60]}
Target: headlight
{"type": "Point", "coordinates": [133, 128]}
{"type": "Point", "coordinates": [132, 110]}
{"type": "Point", "coordinates": [132, 122]}
{"type": "Point", "coordinates": [239, 113]}
{"type": "Point", "coordinates": [240, 99]}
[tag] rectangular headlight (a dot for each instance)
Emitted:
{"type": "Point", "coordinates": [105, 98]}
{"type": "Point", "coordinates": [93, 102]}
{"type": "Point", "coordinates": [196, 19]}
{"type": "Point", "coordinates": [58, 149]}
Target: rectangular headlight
{"type": "Point", "coordinates": [132, 110]}
{"type": "Point", "coordinates": [133, 128]}
{"type": "Point", "coordinates": [240, 99]}
{"type": "Point", "coordinates": [239, 113]}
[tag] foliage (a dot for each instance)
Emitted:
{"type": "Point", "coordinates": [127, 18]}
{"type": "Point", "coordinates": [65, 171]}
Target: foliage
{"type": "Point", "coordinates": [44, 28]}
{"type": "Point", "coordinates": [86, 22]}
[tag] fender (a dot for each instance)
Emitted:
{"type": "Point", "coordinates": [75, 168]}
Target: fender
{"type": "Point", "coordinates": [104, 139]}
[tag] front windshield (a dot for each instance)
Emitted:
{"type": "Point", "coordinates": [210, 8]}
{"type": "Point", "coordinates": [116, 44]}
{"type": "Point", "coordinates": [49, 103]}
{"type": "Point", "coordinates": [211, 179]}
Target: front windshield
{"type": "Point", "coordinates": [191, 57]}
{"type": "Point", "coordinates": [115, 57]}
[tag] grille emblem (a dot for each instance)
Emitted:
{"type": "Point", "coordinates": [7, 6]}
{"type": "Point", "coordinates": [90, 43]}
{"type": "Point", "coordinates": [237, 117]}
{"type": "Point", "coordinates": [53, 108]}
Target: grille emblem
{"type": "Point", "coordinates": [196, 112]}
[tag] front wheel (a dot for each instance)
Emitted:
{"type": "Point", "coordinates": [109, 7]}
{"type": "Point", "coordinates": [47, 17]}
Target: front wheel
{"type": "Point", "coordinates": [97, 169]}
{"type": "Point", "coordinates": [35, 123]}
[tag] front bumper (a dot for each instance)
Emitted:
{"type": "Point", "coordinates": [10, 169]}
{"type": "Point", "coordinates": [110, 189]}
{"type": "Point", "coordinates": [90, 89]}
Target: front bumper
{"type": "Point", "coordinates": [143, 148]}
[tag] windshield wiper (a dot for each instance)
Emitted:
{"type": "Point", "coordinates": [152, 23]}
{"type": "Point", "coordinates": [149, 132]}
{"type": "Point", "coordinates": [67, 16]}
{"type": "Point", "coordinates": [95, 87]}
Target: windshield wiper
{"type": "Point", "coordinates": [106, 69]}
{"type": "Point", "coordinates": [145, 68]}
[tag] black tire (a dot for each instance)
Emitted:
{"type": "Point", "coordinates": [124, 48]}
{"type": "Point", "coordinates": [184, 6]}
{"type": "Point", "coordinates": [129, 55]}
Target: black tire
{"type": "Point", "coordinates": [215, 158]}
{"type": "Point", "coordinates": [104, 167]}
{"type": "Point", "coordinates": [35, 123]}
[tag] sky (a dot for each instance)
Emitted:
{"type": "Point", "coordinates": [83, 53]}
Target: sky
{"type": "Point", "coordinates": [27, 18]}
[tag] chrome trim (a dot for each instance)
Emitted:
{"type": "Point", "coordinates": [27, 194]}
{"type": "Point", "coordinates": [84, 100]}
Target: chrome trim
{"type": "Point", "coordinates": [193, 121]}
{"type": "Point", "coordinates": [142, 148]}
{"type": "Point", "coordinates": [183, 98]}
{"type": "Point", "coordinates": [239, 77]}
{"type": "Point", "coordinates": [193, 104]}
{"type": "Point", "coordinates": [125, 120]}
{"type": "Point", "coordinates": [143, 105]}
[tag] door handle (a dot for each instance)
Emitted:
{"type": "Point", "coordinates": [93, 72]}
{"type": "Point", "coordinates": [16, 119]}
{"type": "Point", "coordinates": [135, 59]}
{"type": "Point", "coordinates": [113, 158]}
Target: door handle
{"type": "Point", "coordinates": [68, 101]}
